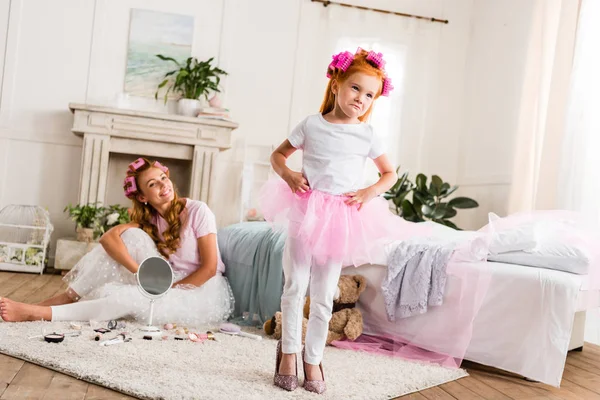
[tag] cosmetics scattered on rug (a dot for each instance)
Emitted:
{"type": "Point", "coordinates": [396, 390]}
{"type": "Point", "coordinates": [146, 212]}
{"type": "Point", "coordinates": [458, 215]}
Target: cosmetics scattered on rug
{"type": "Point", "coordinates": [106, 335]}
{"type": "Point", "coordinates": [185, 334]}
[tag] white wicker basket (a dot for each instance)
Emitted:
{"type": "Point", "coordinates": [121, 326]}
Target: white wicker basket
{"type": "Point", "coordinates": [24, 237]}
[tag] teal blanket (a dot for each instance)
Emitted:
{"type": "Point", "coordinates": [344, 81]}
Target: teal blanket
{"type": "Point", "coordinates": [253, 253]}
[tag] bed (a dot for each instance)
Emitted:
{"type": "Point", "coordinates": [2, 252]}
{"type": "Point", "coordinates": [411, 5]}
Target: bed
{"type": "Point", "coordinates": [527, 315]}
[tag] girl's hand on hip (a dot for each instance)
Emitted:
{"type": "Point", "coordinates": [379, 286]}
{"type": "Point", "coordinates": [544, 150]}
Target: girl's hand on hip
{"type": "Point", "coordinates": [360, 197]}
{"type": "Point", "coordinates": [297, 182]}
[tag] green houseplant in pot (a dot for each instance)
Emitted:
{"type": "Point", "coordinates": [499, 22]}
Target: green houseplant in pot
{"type": "Point", "coordinates": [430, 202]}
{"type": "Point", "coordinates": [192, 81]}
{"type": "Point", "coordinates": [86, 217]}
{"type": "Point", "coordinates": [112, 216]}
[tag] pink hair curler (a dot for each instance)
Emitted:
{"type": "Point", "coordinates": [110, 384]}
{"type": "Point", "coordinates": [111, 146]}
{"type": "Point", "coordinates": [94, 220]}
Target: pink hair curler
{"type": "Point", "coordinates": [340, 61]}
{"type": "Point", "coordinates": [376, 59]}
{"type": "Point", "coordinates": [387, 87]}
{"type": "Point", "coordinates": [130, 186]}
{"type": "Point", "coordinates": [161, 167]}
{"type": "Point", "coordinates": [137, 164]}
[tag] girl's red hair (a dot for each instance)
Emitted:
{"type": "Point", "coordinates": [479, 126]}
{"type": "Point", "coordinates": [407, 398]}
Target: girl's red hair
{"type": "Point", "coordinates": [359, 64]}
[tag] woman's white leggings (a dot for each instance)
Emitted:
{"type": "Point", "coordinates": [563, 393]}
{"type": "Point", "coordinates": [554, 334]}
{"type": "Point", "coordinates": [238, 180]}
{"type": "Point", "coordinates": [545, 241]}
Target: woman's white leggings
{"type": "Point", "coordinates": [103, 309]}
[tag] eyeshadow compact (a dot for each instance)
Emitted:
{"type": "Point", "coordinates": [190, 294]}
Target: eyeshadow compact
{"type": "Point", "coordinates": [54, 338]}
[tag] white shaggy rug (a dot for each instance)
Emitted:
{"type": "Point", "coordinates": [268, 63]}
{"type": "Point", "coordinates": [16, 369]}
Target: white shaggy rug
{"type": "Point", "coordinates": [231, 368]}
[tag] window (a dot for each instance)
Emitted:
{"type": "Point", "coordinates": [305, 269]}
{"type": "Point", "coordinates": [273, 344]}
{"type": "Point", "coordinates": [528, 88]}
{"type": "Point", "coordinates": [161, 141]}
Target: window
{"type": "Point", "coordinates": [386, 115]}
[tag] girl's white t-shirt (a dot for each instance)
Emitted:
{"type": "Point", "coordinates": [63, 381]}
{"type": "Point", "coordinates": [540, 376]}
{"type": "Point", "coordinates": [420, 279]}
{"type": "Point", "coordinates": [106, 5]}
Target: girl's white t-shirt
{"type": "Point", "coordinates": [334, 155]}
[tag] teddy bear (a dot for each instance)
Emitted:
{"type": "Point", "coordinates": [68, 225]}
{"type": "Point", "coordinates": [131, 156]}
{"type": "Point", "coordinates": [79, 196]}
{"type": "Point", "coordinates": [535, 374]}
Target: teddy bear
{"type": "Point", "coordinates": [346, 320]}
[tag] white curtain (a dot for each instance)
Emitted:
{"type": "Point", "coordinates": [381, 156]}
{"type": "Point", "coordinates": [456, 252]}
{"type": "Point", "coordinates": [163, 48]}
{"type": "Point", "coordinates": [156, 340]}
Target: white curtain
{"type": "Point", "coordinates": [410, 48]}
{"type": "Point", "coordinates": [543, 104]}
{"type": "Point", "coordinates": [579, 183]}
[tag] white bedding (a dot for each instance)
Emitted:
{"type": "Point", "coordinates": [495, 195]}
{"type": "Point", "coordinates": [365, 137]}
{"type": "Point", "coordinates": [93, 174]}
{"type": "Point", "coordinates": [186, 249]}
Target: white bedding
{"type": "Point", "coordinates": [524, 325]}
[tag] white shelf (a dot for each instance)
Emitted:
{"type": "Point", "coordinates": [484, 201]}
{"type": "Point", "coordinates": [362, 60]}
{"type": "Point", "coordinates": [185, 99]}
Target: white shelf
{"type": "Point", "coordinates": [20, 268]}
{"type": "Point", "coordinates": [22, 245]}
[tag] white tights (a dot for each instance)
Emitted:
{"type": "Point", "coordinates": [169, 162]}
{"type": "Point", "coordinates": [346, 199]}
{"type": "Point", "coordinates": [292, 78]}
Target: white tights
{"type": "Point", "coordinates": [299, 270]}
{"type": "Point", "coordinates": [103, 309]}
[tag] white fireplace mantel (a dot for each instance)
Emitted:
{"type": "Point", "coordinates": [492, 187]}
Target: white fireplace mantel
{"type": "Point", "coordinates": [108, 130]}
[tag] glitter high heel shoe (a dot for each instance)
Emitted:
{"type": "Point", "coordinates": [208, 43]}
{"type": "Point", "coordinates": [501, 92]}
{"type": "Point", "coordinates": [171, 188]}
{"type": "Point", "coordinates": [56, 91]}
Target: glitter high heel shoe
{"type": "Point", "coordinates": [318, 387]}
{"type": "Point", "coordinates": [287, 382]}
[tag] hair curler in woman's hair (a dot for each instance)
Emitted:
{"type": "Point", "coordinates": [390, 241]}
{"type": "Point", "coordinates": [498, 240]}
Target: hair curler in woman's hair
{"type": "Point", "coordinates": [129, 186]}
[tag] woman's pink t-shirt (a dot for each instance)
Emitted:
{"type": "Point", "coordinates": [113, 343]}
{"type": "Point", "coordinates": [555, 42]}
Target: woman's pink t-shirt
{"type": "Point", "coordinates": [198, 221]}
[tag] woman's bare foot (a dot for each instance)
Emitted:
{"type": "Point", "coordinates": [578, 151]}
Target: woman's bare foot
{"type": "Point", "coordinates": [313, 372]}
{"type": "Point", "coordinates": [288, 364]}
{"type": "Point", "coordinates": [12, 311]}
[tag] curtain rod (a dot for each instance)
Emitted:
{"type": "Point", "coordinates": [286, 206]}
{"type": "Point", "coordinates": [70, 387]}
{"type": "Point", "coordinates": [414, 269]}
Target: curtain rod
{"type": "Point", "coordinates": [431, 19]}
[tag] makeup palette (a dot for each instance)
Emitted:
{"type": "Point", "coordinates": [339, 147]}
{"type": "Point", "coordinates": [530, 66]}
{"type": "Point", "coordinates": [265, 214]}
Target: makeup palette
{"type": "Point", "coordinates": [54, 338]}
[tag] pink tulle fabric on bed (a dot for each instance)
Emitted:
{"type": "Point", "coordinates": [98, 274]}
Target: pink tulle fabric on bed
{"type": "Point", "coordinates": [441, 335]}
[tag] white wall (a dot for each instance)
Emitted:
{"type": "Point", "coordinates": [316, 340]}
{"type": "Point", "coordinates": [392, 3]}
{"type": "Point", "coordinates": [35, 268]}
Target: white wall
{"type": "Point", "coordinates": [45, 66]}
{"type": "Point", "coordinates": [74, 51]}
{"type": "Point", "coordinates": [494, 68]}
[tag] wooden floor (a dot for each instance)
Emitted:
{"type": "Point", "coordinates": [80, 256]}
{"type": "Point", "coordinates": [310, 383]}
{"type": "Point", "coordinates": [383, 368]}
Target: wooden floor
{"type": "Point", "coordinates": [22, 380]}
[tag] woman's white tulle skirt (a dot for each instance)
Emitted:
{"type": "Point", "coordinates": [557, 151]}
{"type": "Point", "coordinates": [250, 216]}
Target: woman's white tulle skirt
{"type": "Point", "coordinates": [97, 276]}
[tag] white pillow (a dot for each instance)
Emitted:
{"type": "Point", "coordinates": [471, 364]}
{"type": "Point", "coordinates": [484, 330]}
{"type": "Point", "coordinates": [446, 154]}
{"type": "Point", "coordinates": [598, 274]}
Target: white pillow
{"type": "Point", "coordinates": [557, 244]}
{"type": "Point", "coordinates": [506, 239]}
{"type": "Point", "coordinates": [550, 257]}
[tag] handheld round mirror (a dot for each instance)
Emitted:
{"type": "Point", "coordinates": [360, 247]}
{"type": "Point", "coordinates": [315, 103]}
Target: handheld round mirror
{"type": "Point", "coordinates": [154, 280]}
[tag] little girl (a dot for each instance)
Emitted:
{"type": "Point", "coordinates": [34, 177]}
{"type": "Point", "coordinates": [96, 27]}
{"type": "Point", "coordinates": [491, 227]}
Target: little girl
{"type": "Point", "coordinates": [331, 221]}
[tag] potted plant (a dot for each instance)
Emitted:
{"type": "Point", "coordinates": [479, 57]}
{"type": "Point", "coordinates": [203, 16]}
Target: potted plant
{"type": "Point", "coordinates": [192, 80]}
{"type": "Point", "coordinates": [112, 216]}
{"type": "Point", "coordinates": [429, 202]}
{"type": "Point", "coordinates": [86, 217]}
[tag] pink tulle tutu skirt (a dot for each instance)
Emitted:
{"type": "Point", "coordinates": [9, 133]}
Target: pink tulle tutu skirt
{"type": "Point", "coordinates": [332, 230]}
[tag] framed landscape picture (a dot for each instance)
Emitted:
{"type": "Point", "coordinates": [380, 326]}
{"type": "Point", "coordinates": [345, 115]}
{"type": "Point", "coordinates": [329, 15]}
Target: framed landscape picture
{"type": "Point", "coordinates": [152, 33]}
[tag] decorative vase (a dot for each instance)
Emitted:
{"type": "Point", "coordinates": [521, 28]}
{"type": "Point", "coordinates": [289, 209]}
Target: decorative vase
{"type": "Point", "coordinates": [215, 101]}
{"type": "Point", "coordinates": [188, 107]}
{"type": "Point", "coordinates": [85, 234]}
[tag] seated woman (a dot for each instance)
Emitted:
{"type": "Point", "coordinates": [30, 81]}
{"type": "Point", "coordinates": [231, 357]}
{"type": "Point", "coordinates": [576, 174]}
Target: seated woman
{"type": "Point", "coordinates": [102, 286]}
